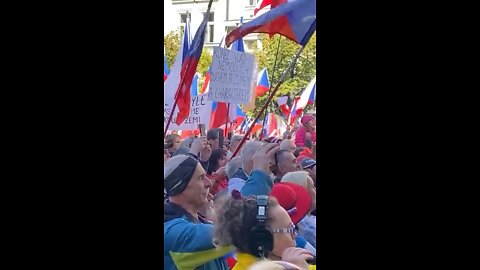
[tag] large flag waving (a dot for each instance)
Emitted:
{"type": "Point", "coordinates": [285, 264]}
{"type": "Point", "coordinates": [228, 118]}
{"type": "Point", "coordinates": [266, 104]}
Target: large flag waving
{"type": "Point", "coordinates": [295, 19]}
{"type": "Point", "coordinates": [173, 79]}
{"type": "Point", "coordinates": [189, 68]}
{"type": "Point", "coordinates": [265, 3]}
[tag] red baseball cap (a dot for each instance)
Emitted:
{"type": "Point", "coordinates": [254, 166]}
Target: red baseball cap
{"type": "Point", "coordinates": [293, 198]}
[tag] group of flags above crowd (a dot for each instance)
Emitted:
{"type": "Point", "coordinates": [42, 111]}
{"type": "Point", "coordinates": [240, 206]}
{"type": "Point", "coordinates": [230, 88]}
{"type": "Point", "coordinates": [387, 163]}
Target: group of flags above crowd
{"type": "Point", "coordinates": [294, 19]}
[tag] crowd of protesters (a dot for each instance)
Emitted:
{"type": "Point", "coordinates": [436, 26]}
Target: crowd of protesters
{"type": "Point", "coordinates": [253, 211]}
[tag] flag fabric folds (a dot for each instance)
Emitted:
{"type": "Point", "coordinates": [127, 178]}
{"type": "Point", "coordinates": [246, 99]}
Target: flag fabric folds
{"type": "Point", "coordinates": [295, 19]}
{"type": "Point", "coordinates": [308, 95]}
{"type": "Point", "coordinates": [283, 105]}
{"type": "Point", "coordinates": [173, 79]}
{"type": "Point", "coordinates": [263, 83]}
{"type": "Point", "coordinates": [189, 68]}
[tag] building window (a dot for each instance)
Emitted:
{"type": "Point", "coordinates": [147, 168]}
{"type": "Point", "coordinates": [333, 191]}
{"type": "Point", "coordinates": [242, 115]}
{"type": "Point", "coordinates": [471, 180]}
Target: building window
{"type": "Point", "coordinates": [183, 17]}
{"type": "Point", "coordinates": [211, 16]}
{"type": "Point", "coordinates": [210, 33]}
{"type": "Point", "coordinates": [210, 27]}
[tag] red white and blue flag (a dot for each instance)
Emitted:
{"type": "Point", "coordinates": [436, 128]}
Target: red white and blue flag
{"type": "Point", "coordinates": [265, 3]}
{"type": "Point", "coordinates": [283, 105]}
{"type": "Point", "coordinates": [293, 113]}
{"type": "Point", "coordinates": [189, 68]}
{"type": "Point", "coordinates": [173, 79]}
{"type": "Point", "coordinates": [263, 83]}
{"type": "Point", "coordinates": [308, 95]}
{"type": "Point", "coordinates": [294, 19]}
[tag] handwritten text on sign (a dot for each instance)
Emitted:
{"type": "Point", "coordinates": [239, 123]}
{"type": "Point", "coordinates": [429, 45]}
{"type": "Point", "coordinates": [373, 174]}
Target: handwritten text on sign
{"type": "Point", "coordinates": [200, 111]}
{"type": "Point", "coordinates": [232, 76]}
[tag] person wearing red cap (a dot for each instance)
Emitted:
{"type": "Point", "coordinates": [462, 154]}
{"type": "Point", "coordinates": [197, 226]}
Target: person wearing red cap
{"type": "Point", "coordinates": [307, 223]}
{"type": "Point", "coordinates": [297, 201]}
{"type": "Point", "coordinates": [305, 134]}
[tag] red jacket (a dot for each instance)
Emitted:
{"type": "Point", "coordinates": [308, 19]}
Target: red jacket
{"type": "Point", "coordinates": [300, 136]}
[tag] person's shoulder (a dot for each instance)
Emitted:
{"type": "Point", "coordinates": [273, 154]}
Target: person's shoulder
{"type": "Point", "coordinates": [181, 226]}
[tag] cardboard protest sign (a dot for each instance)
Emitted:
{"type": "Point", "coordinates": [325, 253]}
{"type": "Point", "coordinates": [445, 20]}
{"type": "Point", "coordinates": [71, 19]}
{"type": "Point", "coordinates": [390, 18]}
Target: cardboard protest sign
{"type": "Point", "coordinates": [232, 78]}
{"type": "Point", "coordinates": [200, 112]}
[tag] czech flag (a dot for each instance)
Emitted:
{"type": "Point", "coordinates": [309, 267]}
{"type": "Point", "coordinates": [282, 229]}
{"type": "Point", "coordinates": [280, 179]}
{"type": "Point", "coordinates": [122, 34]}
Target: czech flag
{"type": "Point", "coordinates": [189, 68]}
{"type": "Point", "coordinates": [294, 113]}
{"type": "Point", "coordinates": [165, 66]}
{"type": "Point", "coordinates": [308, 95]}
{"type": "Point", "coordinates": [263, 84]}
{"type": "Point", "coordinates": [295, 20]}
{"type": "Point", "coordinates": [173, 79]}
{"type": "Point", "coordinates": [264, 3]}
{"type": "Point", "coordinates": [283, 105]}
{"type": "Point", "coordinates": [240, 114]}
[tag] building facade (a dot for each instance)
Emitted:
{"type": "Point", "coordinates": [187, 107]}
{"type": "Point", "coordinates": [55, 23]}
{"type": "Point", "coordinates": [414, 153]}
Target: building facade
{"type": "Point", "coordinates": [224, 16]}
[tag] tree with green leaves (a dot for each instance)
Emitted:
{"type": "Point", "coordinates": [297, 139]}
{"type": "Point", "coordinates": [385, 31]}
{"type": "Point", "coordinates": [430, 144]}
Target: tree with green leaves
{"type": "Point", "coordinates": [296, 81]}
{"type": "Point", "coordinates": [172, 43]}
{"type": "Point", "coordinates": [303, 72]}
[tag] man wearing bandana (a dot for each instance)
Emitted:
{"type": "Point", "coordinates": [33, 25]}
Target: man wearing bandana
{"type": "Point", "coordinates": [188, 236]}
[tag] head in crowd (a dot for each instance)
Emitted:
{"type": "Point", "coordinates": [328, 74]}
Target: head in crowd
{"type": "Point", "coordinates": [285, 162]}
{"type": "Point", "coordinates": [237, 224]}
{"type": "Point", "coordinates": [218, 159]}
{"type": "Point", "coordinates": [297, 151]}
{"type": "Point", "coordinates": [302, 179]}
{"type": "Point", "coordinates": [310, 166]}
{"type": "Point", "coordinates": [215, 137]}
{"type": "Point", "coordinates": [308, 121]}
{"type": "Point", "coordinates": [187, 142]}
{"type": "Point", "coordinates": [248, 151]}
{"type": "Point", "coordinates": [172, 142]}
{"type": "Point", "coordinates": [234, 142]}
{"type": "Point", "coordinates": [166, 156]}
{"type": "Point", "coordinates": [233, 165]}
{"type": "Point", "coordinates": [288, 145]}
{"type": "Point", "coordinates": [186, 183]}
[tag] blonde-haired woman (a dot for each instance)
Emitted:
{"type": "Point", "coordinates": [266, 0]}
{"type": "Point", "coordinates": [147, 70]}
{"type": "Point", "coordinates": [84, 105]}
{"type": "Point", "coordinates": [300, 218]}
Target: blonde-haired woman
{"type": "Point", "coordinates": [307, 226]}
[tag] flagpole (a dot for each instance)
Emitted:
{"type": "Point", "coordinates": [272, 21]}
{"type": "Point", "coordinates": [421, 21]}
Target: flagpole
{"type": "Point", "coordinates": [280, 81]}
{"type": "Point", "coordinates": [226, 121]}
{"type": "Point", "coordinates": [182, 82]}
{"type": "Point", "coordinates": [270, 90]}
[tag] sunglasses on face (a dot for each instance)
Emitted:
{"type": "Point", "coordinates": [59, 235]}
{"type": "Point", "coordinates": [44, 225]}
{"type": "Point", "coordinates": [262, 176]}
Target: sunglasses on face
{"type": "Point", "coordinates": [290, 230]}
